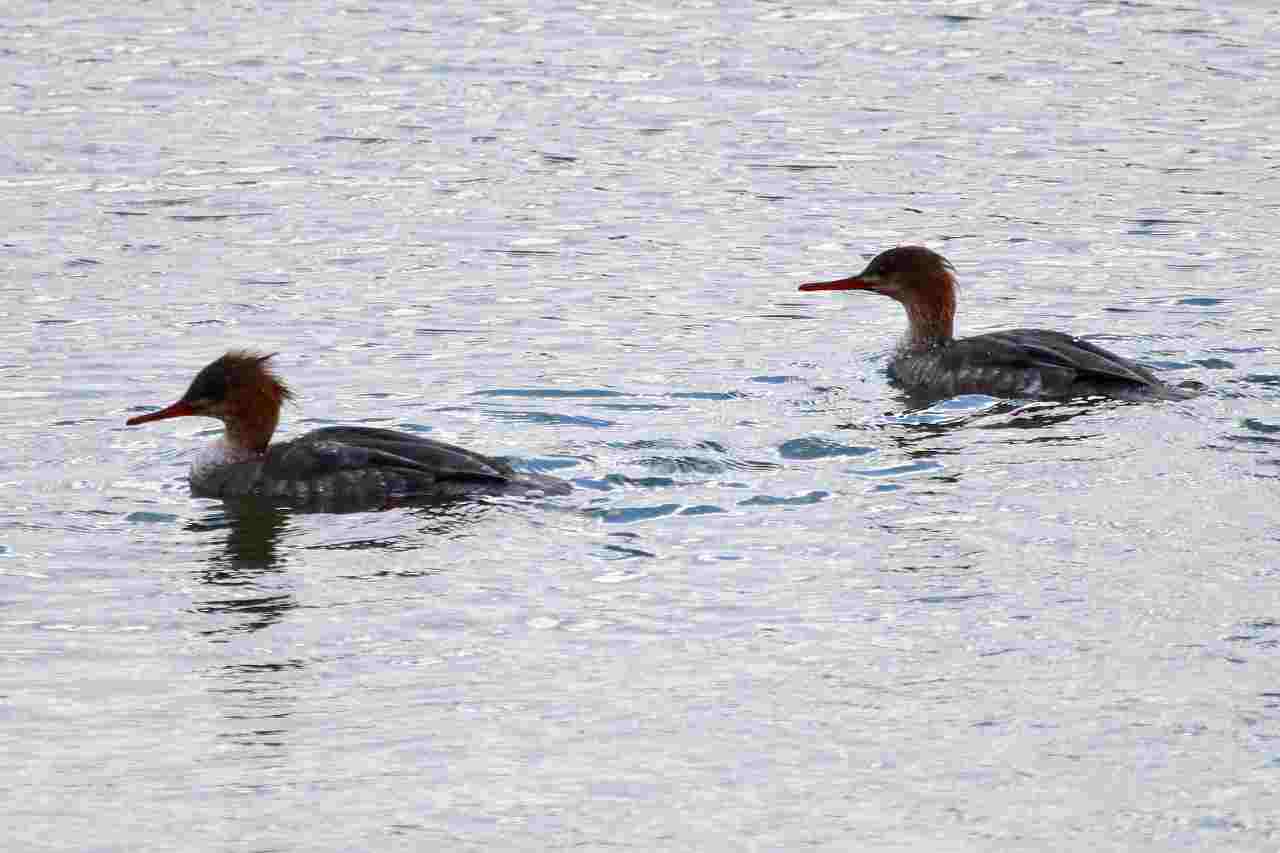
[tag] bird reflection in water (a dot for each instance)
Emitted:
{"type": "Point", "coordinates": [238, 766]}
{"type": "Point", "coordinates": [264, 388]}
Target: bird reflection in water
{"type": "Point", "coordinates": [252, 591]}
{"type": "Point", "coordinates": [250, 555]}
{"type": "Point", "coordinates": [256, 551]}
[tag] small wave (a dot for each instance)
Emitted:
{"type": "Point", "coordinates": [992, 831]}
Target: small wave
{"type": "Point", "coordinates": [797, 500]}
{"type": "Point", "coordinates": [810, 447]}
{"type": "Point", "coordinates": [631, 514]}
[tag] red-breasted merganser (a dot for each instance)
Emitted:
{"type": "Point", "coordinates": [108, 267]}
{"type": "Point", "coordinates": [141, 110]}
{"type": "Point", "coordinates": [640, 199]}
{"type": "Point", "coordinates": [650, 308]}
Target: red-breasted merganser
{"type": "Point", "coordinates": [333, 467]}
{"type": "Point", "coordinates": [1019, 363]}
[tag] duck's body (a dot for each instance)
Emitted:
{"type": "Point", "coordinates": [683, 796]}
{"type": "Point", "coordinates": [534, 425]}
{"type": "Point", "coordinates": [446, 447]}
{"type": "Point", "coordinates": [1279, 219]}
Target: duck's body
{"type": "Point", "coordinates": [1019, 363]}
{"type": "Point", "coordinates": [333, 467]}
{"type": "Point", "coordinates": [361, 466]}
{"type": "Point", "coordinates": [1025, 363]}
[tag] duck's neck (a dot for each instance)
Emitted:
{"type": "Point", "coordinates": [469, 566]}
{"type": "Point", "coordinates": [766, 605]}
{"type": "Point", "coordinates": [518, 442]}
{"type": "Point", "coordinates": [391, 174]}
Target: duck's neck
{"type": "Point", "coordinates": [250, 427]}
{"type": "Point", "coordinates": [930, 323]}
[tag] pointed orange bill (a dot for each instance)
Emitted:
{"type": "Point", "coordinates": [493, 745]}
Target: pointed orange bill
{"type": "Point", "coordinates": [177, 410]}
{"type": "Point", "coordinates": [850, 283]}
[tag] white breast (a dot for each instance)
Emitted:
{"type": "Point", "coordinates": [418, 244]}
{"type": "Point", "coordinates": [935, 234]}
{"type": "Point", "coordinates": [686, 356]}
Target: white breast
{"type": "Point", "coordinates": [217, 455]}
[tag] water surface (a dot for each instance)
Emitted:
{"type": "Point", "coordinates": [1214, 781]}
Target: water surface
{"type": "Point", "coordinates": [784, 608]}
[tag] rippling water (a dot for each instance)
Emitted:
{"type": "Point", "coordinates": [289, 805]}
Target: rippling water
{"type": "Point", "coordinates": [783, 608]}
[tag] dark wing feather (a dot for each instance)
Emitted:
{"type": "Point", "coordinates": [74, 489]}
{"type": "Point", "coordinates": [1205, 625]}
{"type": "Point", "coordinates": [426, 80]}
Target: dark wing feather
{"type": "Point", "coordinates": [1047, 350]}
{"type": "Point", "coordinates": [334, 449]}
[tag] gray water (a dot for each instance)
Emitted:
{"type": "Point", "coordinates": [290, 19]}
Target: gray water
{"type": "Point", "coordinates": [783, 609]}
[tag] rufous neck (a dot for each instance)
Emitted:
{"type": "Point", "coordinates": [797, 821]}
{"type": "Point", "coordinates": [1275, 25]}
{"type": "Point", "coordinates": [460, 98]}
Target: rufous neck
{"type": "Point", "coordinates": [930, 316]}
{"type": "Point", "coordinates": [927, 328]}
{"type": "Point", "coordinates": [251, 424]}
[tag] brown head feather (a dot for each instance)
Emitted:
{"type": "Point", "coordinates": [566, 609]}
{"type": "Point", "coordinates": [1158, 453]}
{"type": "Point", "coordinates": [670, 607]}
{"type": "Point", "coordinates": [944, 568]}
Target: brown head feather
{"type": "Point", "coordinates": [919, 278]}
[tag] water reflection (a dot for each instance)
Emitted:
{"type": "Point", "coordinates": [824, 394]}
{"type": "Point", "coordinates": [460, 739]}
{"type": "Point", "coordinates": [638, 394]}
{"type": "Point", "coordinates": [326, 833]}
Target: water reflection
{"type": "Point", "coordinates": [256, 551]}
{"type": "Point", "coordinates": [249, 557]}
{"type": "Point", "coordinates": [990, 413]}
{"type": "Point", "coordinates": [251, 591]}
{"type": "Point", "coordinates": [255, 530]}
{"type": "Point", "coordinates": [260, 697]}
{"type": "Point", "coordinates": [253, 534]}
{"type": "Point", "coordinates": [444, 519]}
{"type": "Point", "coordinates": [1040, 416]}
